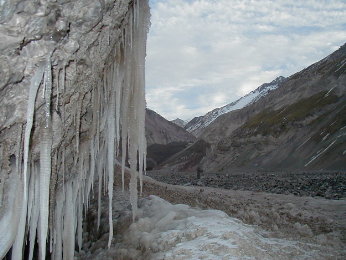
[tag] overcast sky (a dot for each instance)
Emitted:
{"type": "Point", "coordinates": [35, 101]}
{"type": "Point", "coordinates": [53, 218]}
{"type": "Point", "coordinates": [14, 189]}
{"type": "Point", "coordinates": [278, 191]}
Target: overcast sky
{"type": "Point", "coordinates": [203, 54]}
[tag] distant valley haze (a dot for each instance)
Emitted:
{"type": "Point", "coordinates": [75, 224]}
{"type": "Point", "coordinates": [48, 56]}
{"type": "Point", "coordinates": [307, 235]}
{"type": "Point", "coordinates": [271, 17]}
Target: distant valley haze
{"type": "Point", "coordinates": [204, 54]}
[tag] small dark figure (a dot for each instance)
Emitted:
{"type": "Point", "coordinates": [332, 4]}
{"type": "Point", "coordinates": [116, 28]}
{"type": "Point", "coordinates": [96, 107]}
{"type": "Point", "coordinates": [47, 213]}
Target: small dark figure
{"type": "Point", "coordinates": [199, 172]}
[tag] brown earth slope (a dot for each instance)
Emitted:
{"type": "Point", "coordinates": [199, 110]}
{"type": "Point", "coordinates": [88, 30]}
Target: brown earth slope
{"type": "Point", "coordinates": [300, 125]}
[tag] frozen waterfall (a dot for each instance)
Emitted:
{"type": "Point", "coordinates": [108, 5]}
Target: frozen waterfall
{"type": "Point", "coordinates": [41, 199]}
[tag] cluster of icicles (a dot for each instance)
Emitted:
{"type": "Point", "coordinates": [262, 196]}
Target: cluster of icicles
{"type": "Point", "coordinates": [117, 130]}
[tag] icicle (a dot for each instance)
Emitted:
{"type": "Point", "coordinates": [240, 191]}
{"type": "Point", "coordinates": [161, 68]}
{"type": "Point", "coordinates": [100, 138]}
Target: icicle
{"type": "Point", "coordinates": [100, 170]}
{"type": "Point", "coordinates": [45, 165]}
{"type": "Point", "coordinates": [52, 199]}
{"type": "Point", "coordinates": [110, 157]}
{"type": "Point", "coordinates": [63, 169]}
{"type": "Point", "coordinates": [35, 211]}
{"type": "Point", "coordinates": [31, 196]}
{"type": "Point", "coordinates": [90, 179]}
{"type": "Point", "coordinates": [118, 118]}
{"type": "Point", "coordinates": [133, 183]}
{"type": "Point", "coordinates": [57, 89]}
{"type": "Point", "coordinates": [77, 122]}
{"type": "Point", "coordinates": [69, 224]}
{"type": "Point", "coordinates": [45, 171]}
{"type": "Point", "coordinates": [1, 189]}
{"type": "Point", "coordinates": [118, 94]}
{"type": "Point", "coordinates": [80, 222]}
{"type": "Point", "coordinates": [58, 227]}
{"type": "Point", "coordinates": [17, 249]}
{"type": "Point", "coordinates": [63, 77]}
{"type": "Point", "coordinates": [9, 221]}
{"type": "Point", "coordinates": [35, 83]}
{"type": "Point", "coordinates": [124, 132]}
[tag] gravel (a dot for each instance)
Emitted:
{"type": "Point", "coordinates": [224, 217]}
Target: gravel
{"type": "Point", "coordinates": [330, 185]}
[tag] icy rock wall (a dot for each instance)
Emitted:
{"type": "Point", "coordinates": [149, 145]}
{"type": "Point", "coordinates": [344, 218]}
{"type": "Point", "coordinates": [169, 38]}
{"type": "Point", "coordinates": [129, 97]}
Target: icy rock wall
{"type": "Point", "coordinates": [72, 102]}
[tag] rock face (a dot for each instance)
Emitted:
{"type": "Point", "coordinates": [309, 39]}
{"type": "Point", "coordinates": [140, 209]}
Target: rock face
{"type": "Point", "coordinates": [198, 124]}
{"type": "Point", "coordinates": [71, 90]}
{"type": "Point", "coordinates": [300, 125]}
{"type": "Point", "coordinates": [161, 131]}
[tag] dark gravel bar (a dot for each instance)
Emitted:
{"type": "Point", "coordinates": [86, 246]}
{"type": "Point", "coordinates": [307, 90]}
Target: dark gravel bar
{"type": "Point", "coordinates": [330, 185]}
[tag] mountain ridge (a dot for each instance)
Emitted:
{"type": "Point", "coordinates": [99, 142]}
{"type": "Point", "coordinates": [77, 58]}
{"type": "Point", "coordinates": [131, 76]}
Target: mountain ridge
{"type": "Point", "coordinates": [198, 124]}
{"type": "Point", "coordinates": [299, 125]}
{"type": "Point", "coordinates": [159, 130]}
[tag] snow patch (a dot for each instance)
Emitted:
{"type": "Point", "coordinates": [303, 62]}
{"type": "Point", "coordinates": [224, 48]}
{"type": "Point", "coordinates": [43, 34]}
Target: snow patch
{"type": "Point", "coordinates": [304, 142]}
{"type": "Point", "coordinates": [325, 137]}
{"type": "Point", "coordinates": [248, 99]}
{"type": "Point", "coordinates": [319, 153]}
{"type": "Point", "coordinates": [327, 94]}
{"type": "Point", "coordinates": [342, 64]}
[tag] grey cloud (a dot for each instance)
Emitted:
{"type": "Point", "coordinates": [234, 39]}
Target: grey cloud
{"type": "Point", "coordinates": [232, 46]}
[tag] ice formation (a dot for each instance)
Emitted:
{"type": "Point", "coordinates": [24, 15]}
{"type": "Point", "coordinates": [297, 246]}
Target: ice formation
{"type": "Point", "coordinates": [166, 231]}
{"type": "Point", "coordinates": [45, 199]}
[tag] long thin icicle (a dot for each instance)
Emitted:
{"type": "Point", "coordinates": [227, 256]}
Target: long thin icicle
{"type": "Point", "coordinates": [69, 223]}
{"type": "Point", "coordinates": [35, 211]}
{"type": "Point", "coordinates": [35, 83]}
{"type": "Point", "coordinates": [45, 165]}
{"type": "Point", "coordinates": [110, 157]}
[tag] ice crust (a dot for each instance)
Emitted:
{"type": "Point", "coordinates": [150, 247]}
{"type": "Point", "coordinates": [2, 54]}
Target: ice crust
{"type": "Point", "coordinates": [167, 231]}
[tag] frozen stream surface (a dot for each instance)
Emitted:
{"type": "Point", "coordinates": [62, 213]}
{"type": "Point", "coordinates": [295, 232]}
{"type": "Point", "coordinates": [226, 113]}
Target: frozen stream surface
{"type": "Point", "coordinates": [167, 231]}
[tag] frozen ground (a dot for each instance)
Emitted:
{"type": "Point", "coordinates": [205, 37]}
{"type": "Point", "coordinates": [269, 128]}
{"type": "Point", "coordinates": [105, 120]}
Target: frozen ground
{"type": "Point", "coordinates": [282, 226]}
{"type": "Point", "coordinates": [167, 231]}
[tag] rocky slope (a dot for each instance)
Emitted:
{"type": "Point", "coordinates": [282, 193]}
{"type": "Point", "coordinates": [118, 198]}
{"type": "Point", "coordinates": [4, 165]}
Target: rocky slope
{"type": "Point", "coordinates": [164, 138]}
{"type": "Point", "coordinates": [300, 125]}
{"type": "Point", "coordinates": [158, 130]}
{"type": "Point", "coordinates": [198, 124]}
{"type": "Point", "coordinates": [187, 159]}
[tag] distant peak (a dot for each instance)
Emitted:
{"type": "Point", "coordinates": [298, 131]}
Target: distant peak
{"type": "Point", "coordinates": [279, 79]}
{"type": "Point", "coordinates": [179, 122]}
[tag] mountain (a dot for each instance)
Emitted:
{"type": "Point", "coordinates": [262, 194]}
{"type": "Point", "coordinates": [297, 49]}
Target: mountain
{"type": "Point", "coordinates": [164, 138]}
{"type": "Point", "coordinates": [159, 130]}
{"type": "Point", "coordinates": [188, 159]}
{"type": "Point", "coordinates": [179, 122]}
{"type": "Point", "coordinates": [197, 124]}
{"type": "Point", "coordinates": [299, 125]}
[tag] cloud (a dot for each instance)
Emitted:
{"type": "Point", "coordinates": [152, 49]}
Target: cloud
{"type": "Point", "coordinates": [203, 54]}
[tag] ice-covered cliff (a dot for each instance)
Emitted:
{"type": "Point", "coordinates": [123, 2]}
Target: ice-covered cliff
{"type": "Point", "coordinates": [72, 102]}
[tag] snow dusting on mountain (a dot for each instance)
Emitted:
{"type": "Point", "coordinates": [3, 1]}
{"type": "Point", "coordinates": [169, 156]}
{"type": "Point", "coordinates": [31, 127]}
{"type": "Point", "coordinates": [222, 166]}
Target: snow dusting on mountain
{"type": "Point", "coordinates": [197, 124]}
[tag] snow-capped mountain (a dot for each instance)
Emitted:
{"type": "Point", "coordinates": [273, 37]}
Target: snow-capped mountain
{"type": "Point", "coordinates": [197, 124]}
{"type": "Point", "coordinates": [300, 125]}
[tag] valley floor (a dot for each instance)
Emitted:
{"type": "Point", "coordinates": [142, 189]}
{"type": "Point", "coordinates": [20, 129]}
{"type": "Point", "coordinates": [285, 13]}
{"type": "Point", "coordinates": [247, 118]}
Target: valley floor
{"type": "Point", "coordinates": [179, 224]}
{"type": "Point", "coordinates": [329, 185]}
